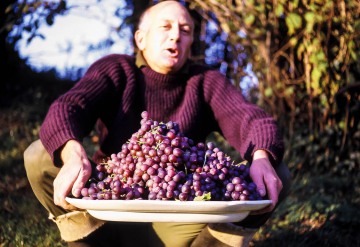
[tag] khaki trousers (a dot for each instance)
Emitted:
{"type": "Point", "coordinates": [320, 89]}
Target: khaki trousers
{"type": "Point", "coordinates": [77, 225]}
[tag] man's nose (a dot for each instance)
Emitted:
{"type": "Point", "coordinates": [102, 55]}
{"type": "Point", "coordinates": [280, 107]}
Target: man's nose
{"type": "Point", "coordinates": [175, 34]}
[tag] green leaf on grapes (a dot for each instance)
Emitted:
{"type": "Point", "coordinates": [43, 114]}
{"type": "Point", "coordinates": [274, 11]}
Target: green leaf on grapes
{"type": "Point", "coordinates": [205, 197]}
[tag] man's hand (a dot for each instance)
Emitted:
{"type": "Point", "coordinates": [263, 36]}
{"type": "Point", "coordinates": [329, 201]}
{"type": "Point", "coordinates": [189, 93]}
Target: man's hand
{"type": "Point", "coordinates": [73, 175]}
{"type": "Point", "coordinates": [264, 176]}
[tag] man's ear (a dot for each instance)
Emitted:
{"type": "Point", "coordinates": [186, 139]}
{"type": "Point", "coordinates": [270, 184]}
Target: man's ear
{"type": "Point", "coordinates": [140, 39]}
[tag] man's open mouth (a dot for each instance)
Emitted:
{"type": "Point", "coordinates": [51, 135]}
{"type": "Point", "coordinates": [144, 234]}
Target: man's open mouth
{"type": "Point", "coordinates": [173, 52]}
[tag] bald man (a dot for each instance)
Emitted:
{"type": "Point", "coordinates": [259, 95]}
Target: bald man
{"type": "Point", "coordinates": [163, 81]}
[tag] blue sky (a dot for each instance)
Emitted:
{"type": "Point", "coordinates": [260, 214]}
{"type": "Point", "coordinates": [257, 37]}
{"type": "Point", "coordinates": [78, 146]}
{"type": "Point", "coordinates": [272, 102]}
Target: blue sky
{"type": "Point", "coordinates": [66, 41]}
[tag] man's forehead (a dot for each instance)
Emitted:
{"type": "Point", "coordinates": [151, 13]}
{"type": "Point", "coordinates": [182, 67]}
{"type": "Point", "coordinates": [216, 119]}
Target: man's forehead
{"type": "Point", "coordinates": [158, 12]}
{"type": "Point", "coordinates": [170, 18]}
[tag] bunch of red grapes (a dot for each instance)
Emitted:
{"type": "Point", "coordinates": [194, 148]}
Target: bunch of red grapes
{"type": "Point", "coordinates": [159, 163]}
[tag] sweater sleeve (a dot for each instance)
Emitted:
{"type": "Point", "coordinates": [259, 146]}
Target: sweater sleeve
{"type": "Point", "coordinates": [73, 115]}
{"type": "Point", "coordinates": [245, 126]}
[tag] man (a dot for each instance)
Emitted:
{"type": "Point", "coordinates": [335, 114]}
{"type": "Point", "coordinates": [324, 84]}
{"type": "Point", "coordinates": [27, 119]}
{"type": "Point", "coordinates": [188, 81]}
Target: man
{"type": "Point", "coordinates": [162, 81]}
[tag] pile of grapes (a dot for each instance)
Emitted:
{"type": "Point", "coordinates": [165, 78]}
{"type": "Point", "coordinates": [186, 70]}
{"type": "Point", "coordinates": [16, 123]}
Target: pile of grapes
{"type": "Point", "coordinates": [159, 163]}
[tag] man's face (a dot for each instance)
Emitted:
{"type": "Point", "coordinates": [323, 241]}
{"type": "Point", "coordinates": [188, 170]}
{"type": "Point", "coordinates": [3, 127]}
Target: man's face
{"type": "Point", "coordinates": [167, 38]}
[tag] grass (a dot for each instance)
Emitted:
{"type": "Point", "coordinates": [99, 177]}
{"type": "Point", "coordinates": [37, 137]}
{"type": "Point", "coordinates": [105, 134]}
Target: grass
{"type": "Point", "coordinates": [321, 210]}
{"type": "Point", "coordinates": [23, 221]}
{"type": "Point", "coordinates": [317, 212]}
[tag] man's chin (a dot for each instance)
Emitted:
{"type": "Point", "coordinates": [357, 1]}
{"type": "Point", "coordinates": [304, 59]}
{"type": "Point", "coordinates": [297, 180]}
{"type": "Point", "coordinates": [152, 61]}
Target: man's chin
{"type": "Point", "coordinates": [170, 65]}
{"type": "Point", "coordinates": [173, 67]}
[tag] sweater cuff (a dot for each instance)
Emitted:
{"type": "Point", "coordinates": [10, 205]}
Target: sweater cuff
{"type": "Point", "coordinates": [275, 154]}
{"type": "Point", "coordinates": [54, 145]}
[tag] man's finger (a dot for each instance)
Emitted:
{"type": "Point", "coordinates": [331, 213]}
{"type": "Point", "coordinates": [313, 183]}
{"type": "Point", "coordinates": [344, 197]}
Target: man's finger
{"type": "Point", "coordinates": [82, 178]}
{"type": "Point", "coordinates": [64, 204]}
{"type": "Point", "coordinates": [274, 186]}
{"type": "Point", "coordinates": [260, 186]}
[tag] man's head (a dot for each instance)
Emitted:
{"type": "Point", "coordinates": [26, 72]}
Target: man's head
{"type": "Point", "coordinates": [165, 36]}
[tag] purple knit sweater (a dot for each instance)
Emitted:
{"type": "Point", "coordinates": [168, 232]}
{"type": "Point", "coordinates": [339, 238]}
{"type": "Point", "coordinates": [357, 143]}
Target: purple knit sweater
{"type": "Point", "coordinates": [114, 92]}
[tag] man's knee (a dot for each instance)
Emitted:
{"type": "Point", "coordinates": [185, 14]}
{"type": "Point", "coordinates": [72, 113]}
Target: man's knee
{"type": "Point", "coordinates": [33, 152]}
{"type": "Point", "coordinates": [36, 159]}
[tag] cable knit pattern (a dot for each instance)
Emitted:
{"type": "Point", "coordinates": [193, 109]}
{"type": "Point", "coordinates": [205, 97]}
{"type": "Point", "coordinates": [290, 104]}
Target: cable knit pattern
{"type": "Point", "coordinates": [114, 92]}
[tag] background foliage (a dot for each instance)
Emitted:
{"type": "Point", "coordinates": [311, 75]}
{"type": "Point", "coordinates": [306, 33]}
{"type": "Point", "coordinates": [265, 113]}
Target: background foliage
{"type": "Point", "coordinates": [305, 59]}
{"type": "Point", "coordinates": [305, 55]}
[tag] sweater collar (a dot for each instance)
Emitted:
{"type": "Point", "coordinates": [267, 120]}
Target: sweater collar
{"type": "Point", "coordinates": [141, 62]}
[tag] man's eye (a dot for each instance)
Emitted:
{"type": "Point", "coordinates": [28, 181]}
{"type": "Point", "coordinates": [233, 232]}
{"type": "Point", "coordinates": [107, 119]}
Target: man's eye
{"type": "Point", "coordinates": [185, 30]}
